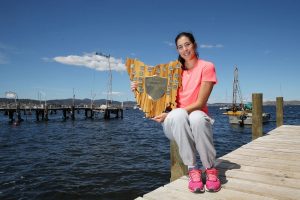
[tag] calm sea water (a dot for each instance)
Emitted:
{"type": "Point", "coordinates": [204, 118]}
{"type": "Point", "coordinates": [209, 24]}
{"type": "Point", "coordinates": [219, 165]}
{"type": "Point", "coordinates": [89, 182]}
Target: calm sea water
{"type": "Point", "coordinates": [98, 159]}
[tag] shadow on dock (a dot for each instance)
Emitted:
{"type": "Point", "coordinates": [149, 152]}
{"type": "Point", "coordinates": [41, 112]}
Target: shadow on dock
{"type": "Point", "coordinates": [223, 166]}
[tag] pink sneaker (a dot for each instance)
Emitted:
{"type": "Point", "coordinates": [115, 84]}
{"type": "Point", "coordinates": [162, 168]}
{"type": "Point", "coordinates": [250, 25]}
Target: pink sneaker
{"type": "Point", "coordinates": [195, 182]}
{"type": "Point", "coordinates": [213, 183]}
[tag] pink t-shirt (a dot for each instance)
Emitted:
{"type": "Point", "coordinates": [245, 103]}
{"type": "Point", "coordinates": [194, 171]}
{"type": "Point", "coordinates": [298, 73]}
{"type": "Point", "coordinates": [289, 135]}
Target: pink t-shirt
{"type": "Point", "coordinates": [191, 82]}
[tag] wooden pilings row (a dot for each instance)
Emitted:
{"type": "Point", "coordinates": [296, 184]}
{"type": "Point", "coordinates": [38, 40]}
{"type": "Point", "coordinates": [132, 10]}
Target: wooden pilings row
{"type": "Point", "coordinates": [42, 114]}
{"type": "Point", "coordinates": [178, 169]}
{"type": "Point", "coordinates": [257, 126]}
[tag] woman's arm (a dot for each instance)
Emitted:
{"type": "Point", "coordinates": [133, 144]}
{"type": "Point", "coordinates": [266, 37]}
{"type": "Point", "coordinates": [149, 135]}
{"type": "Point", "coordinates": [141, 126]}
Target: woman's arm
{"type": "Point", "coordinates": [204, 93]}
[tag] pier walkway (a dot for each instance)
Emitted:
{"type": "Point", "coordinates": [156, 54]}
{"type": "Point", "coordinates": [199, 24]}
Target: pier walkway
{"type": "Point", "coordinates": [266, 168]}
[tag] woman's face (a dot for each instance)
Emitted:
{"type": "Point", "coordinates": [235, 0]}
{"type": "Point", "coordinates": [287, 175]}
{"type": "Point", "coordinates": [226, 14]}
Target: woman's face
{"type": "Point", "coordinates": [186, 48]}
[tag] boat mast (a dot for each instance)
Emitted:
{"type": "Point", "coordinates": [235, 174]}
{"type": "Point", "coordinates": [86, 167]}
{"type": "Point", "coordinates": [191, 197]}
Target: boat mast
{"type": "Point", "coordinates": [109, 85]}
{"type": "Point", "coordinates": [236, 89]}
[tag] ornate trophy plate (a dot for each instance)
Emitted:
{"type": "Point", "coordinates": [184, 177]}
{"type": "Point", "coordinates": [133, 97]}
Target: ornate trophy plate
{"type": "Point", "coordinates": [157, 86]}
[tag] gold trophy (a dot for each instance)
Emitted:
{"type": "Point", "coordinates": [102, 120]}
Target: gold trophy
{"type": "Point", "coordinates": [157, 86]}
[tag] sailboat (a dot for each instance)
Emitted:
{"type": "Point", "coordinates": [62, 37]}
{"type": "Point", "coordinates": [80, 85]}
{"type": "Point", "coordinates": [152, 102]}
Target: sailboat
{"type": "Point", "coordinates": [241, 113]}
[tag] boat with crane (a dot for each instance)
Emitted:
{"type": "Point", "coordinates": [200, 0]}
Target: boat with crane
{"type": "Point", "coordinates": [240, 113]}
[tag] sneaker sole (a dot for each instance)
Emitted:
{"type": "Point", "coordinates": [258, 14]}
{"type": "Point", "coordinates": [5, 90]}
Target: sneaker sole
{"type": "Point", "coordinates": [198, 190]}
{"type": "Point", "coordinates": [211, 190]}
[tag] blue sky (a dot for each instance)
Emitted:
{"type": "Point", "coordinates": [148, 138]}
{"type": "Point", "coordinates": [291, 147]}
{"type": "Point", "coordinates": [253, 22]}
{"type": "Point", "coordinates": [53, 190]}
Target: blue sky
{"type": "Point", "coordinates": [48, 47]}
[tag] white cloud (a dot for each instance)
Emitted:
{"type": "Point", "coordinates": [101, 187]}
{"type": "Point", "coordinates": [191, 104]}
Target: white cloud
{"type": "Point", "coordinates": [210, 46]}
{"type": "Point", "coordinates": [92, 61]}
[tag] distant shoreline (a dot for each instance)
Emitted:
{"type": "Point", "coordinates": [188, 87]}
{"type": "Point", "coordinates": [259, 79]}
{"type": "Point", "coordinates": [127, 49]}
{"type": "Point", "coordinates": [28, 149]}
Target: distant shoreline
{"type": "Point", "coordinates": [265, 103]}
{"type": "Point", "coordinates": [103, 101]}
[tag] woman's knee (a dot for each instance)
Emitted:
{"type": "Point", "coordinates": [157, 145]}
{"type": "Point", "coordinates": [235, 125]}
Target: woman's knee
{"type": "Point", "coordinates": [177, 115]}
{"type": "Point", "coordinates": [199, 118]}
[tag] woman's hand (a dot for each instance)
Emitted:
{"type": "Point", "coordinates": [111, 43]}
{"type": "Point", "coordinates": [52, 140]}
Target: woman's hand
{"type": "Point", "coordinates": [133, 86]}
{"type": "Point", "coordinates": [160, 118]}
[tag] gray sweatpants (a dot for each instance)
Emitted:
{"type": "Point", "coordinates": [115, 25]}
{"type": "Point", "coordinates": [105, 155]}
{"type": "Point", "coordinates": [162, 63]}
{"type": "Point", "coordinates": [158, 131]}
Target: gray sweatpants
{"type": "Point", "coordinates": [191, 132]}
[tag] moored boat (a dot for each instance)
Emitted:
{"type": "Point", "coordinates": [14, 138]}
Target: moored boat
{"type": "Point", "coordinates": [241, 114]}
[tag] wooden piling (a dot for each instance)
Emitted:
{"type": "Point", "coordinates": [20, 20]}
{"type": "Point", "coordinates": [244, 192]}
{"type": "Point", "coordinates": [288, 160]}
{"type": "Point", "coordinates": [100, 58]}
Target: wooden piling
{"type": "Point", "coordinates": [73, 113]}
{"type": "Point", "coordinates": [43, 114]}
{"type": "Point", "coordinates": [18, 113]}
{"type": "Point", "coordinates": [106, 113]}
{"type": "Point", "coordinates": [37, 113]}
{"type": "Point", "coordinates": [65, 114]}
{"type": "Point", "coordinates": [257, 125]}
{"type": "Point", "coordinates": [178, 169]}
{"type": "Point", "coordinates": [279, 111]}
{"type": "Point", "coordinates": [121, 113]}
{"type": "Point", "coordinates": [11, 115]}
{"type": "Point", "coordinates": [46, 113]}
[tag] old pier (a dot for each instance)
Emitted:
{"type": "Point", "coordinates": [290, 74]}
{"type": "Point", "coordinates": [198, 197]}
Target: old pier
{"type": "Point", "coordinates": [42, 114]}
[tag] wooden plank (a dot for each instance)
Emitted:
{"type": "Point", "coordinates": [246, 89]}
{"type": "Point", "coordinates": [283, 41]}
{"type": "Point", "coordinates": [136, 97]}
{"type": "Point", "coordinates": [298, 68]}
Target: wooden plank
{"type": "Point", "coordinates": [167, 193]}
{"type": "Point", "coordinates": [182, 183]}
{"type": "Point", "coordinates": [270, 148]}
{"type": "Point", "coordinates": [277, 140]}
{"type": "Point", "coordinates": [266, 154]}
{"type": "Point", "coordinates": [289, 127]}
{"type": "Point", "coordinates": [259, 170]}
{"type": "Point", "coordinates": [257, 158]}
{"type": "Point", "coordinates": [283, 141]}
{"type": "Point", "coordinates": [262, 189]}
{"type": "Point", "coordinates": [275, 166]}
{"type": "Point", "coordinates": [294, 129]}
{"type": "Point", "coordinates": [287, 131]}
{"type": "Point", "coordinates": [291, 133]}
{"type": "Point", "coordinates": [287, 137]}
{"type": "Point", "coordinates": [270, 179]}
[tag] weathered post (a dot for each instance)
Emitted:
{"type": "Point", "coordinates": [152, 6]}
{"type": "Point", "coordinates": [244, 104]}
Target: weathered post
{"type": "Point", "coordinates": [178, 169]}
{"type": "Point", "coordinates": [73, 113]}
{"type": "Point", "coordinates": [257, 128]}
{"type": "Point", "coordinates": [43, 114]}
{"type": "Point", "coordinates": [46, 113]}
{"type": "Point", "coordinates": [11, 115]}
{"type": "Point", "coordinates": [279, 111]}
{"type": "Point", "coordinates": [106, 113]}
{"type": "Point", "coordinates": [92, 114]}
{"type": "Point", "coordinates": [37, 115]}
{"type": "Point", "coordinates": [18, 113]}
{"type": "Point", "coordinates": [64, 114]}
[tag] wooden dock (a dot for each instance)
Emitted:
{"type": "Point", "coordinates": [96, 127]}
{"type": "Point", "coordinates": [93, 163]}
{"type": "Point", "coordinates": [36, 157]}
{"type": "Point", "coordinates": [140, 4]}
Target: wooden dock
{"type": "Point", "coordinates": [266, 168]}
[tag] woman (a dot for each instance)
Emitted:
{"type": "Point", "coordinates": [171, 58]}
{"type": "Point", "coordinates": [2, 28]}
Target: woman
{"type": "Point", "coordinates": [189, 124]}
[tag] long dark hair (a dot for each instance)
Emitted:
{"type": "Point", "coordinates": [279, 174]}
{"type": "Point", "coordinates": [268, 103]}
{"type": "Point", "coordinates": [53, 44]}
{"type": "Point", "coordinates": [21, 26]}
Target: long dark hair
{"type": "Point", "coordinates": [192, 39]}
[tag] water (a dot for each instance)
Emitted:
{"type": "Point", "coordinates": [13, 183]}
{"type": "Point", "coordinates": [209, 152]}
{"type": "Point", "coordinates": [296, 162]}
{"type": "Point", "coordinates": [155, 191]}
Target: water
{"type": "Point", "coordinates": [98, 159]}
